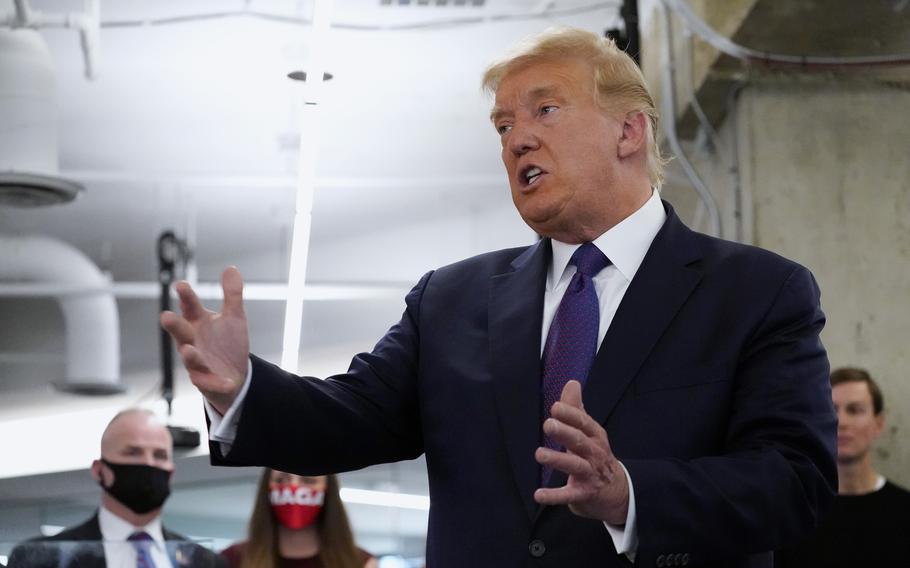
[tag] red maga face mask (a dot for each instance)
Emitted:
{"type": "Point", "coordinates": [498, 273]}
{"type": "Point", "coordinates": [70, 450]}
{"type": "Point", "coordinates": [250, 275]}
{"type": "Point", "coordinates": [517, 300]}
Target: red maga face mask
{"type": "Point", "coordinates": [295, 506]}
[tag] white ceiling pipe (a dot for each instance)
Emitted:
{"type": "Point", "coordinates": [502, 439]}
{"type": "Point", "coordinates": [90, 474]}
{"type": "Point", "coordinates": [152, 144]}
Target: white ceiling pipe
{"type": "Point", "coordinates": [28, 123]}
{"type": "Point", "coordinates": [28, 104]}
{"type": "Point", "coordinates": [91, 322]}
{"type": "Point", "coordinates": [252, 291]}
{"type": "Point", "coordinates": [87, 23]}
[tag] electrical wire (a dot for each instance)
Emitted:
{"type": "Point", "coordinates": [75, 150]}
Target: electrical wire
{"type": "Point", "coordinates": [424, 25]}
{"type": "Point", "coordinates": [808, 62]}
{"type": "Point", "coordinates": [706, 198]}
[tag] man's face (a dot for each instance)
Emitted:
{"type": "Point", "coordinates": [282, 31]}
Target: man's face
{"type": "Point", "coordinates": [857, 424]}
{"type": "Point", "coordinates": [136, 438]}
{"type": "Point", "coordinates": [558, 146]}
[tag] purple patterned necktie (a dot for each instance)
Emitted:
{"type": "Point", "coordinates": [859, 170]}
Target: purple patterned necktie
{"type": "Point", "coordinates": [572, 339]}
{"type": "Point", "coordinates": [142, 542]}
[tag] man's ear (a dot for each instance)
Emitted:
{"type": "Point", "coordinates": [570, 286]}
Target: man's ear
{"type": "Point", "coordinates": [97, 471]}
{"type": "Point", "coordinates": [634, 134]}
{"type": "Point", "coordinates": [879, 423]}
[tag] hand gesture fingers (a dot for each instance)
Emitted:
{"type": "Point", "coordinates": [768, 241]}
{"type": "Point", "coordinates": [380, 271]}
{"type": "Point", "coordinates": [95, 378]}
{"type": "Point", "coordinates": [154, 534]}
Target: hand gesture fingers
{"type": "Point", "coordinates": [190, 306]}
{"type": "Point", "coordinates": [232, 285]}
{"type": "Point", "coordinates": [214, 346]}
{"type": "Point", "coordinates": [596, 487]}
{"type": "Point", "coordinates": [179, 328]}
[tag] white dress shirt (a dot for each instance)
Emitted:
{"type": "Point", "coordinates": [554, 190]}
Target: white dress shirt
{"type": "Point", "coordinates": [626, 245]}
{"type": "Point", "coordinates": [120, 552]}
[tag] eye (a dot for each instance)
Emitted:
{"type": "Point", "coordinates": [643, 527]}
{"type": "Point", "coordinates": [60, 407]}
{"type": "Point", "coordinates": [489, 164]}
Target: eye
{"type": "Point", "coordinates": [548, 109]}
{"type": "Point", "coordinates": [503, 128]}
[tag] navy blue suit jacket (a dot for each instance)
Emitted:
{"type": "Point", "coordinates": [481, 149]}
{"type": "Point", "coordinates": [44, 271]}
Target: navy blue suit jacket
{"type": "Point", "coordinates": [711, 382]}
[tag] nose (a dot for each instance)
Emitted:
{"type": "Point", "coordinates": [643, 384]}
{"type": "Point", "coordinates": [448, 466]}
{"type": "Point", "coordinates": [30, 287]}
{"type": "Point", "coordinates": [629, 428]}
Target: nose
{"type": "Point", "coordinates": [842, 419]}
{"type": "Point", "coordinates": [522, 140]}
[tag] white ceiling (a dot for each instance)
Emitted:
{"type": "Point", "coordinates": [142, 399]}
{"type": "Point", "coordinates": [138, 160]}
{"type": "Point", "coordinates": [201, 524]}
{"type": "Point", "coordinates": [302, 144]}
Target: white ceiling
{"type": "Point", "coordinates": [193, 125]}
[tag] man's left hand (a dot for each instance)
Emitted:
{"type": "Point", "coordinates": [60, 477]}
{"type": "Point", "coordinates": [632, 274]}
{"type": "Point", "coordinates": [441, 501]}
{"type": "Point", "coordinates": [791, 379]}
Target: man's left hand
{"type": "Point", "coordinates": [596, 487]}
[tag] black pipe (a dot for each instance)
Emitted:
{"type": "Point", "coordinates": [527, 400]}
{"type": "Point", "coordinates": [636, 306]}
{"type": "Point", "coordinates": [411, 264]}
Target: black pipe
{"type": "Point", "coordinates": [168, 254]}
{"type": "Point", "coordinates": [628, 39]}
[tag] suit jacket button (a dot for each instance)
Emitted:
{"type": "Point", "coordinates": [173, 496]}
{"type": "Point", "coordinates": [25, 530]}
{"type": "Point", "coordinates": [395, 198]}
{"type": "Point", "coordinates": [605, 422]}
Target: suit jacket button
{"type": "Point", "coordinates": [661, 561]}
{"type": "Point", "coordinates": [685, 559]}
{"type": "Point", "coordinates": [537, 548]}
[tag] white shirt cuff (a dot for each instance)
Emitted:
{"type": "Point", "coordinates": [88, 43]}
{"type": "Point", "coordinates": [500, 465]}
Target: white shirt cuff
{"type": "Point", "coordinates": [223, 429]}
{"type": "Point", "coordinates": [625, 538]}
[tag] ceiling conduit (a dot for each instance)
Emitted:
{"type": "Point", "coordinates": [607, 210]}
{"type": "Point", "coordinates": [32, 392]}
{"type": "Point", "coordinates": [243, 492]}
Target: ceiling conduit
{"type": "Point", "coordinates": [91, 322]}
{"type": "Point", "coordinates": [28, 124]}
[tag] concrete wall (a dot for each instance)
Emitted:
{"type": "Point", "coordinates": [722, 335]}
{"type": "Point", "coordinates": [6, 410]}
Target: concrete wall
{"type": "Point", "coordinates": [828, 172]}
{"type": "Point", "coordinates": [824, 180]}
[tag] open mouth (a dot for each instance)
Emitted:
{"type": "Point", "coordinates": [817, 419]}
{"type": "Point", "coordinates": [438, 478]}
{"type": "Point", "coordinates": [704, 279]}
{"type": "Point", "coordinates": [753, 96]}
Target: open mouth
{"type": "Point", "coordinates": [530, 175]}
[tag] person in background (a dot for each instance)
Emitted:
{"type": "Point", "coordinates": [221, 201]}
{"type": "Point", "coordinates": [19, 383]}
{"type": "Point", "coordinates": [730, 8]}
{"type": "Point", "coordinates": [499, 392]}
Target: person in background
{"type": "Point", "coordinates": [298, 522]}
{"type": "Point", "coordinates": [868, 525]}
{"type": "Point", "coordinates": [134, 471]}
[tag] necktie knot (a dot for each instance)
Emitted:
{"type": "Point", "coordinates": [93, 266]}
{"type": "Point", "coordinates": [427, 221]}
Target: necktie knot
{"type": "Point", "coordinates": [142, 542]}
{"type": "Point", "coordinates": [140, 537]}
{"type": "Point", "coordinates": [588, 260]}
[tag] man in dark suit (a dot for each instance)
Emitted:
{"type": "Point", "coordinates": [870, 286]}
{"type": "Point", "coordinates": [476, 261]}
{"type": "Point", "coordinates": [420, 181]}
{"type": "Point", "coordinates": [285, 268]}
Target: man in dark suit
{"type": "Point", "coordinates": [701, 358]}
{"type": "Point", "coordinates": [134, 471]}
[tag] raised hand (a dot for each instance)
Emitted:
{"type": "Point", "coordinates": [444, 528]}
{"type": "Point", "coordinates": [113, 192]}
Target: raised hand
{"type": "Point", "coordinates": [215, 347]}
{"type": "Point", "coordinates": [596, 487]}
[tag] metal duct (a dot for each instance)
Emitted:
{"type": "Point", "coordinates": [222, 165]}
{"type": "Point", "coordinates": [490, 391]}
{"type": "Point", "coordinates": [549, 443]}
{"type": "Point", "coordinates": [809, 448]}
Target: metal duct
{"type": "Point", "coordinates": [91, 321]}
{"type": "Point", "coordinates": [28, 124]}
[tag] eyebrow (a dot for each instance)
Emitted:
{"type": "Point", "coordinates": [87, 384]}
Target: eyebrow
{"type": "Point", "coordinates": [134, 448]}
{"type": "Point", "coordinates": [534, 94]}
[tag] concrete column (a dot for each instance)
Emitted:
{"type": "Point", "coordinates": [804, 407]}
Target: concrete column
{"type": "Point", "coordinates": [814, 166]}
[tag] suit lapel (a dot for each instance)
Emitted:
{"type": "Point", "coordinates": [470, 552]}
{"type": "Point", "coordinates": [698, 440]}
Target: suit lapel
{"type": "Point", "coordinates": [661, 286]}
{"type": "Point", "coordinates": [515, 319]}
{"type": "Point", "coordinates": [91, 553]}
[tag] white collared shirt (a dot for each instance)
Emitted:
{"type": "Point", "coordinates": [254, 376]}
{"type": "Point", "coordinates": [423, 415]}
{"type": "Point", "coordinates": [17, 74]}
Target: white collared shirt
{"type": "Point", "coordinates": [120, 552]}
{"type": "Point", "coordinates": [625, 245]}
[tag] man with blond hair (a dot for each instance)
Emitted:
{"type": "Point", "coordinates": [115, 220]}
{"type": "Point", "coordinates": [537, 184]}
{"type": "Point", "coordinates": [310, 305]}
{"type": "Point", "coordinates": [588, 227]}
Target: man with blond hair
{"type": "Point", "coordinates": [624, 390]}
{"type": "Point", "coordinates": [134, 472]}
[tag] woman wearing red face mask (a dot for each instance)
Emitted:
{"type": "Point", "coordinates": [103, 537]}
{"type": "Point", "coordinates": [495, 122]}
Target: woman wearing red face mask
{"type": "Point", "coordinates": [298, 522]}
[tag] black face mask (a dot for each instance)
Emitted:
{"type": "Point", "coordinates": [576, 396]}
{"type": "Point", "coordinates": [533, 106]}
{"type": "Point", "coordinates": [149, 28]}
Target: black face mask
{"type": "Point", "coordinates": [142, 488]}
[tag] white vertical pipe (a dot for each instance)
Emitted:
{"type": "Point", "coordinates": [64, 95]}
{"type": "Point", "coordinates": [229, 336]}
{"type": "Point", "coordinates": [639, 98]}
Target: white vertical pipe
{"type": "Point", "coordinates": [92, 324]}
{"type": "Point", "coordinates": [310, 124]}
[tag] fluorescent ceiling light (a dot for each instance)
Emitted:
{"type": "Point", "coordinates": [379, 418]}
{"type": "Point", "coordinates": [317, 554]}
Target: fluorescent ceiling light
{"type": "Point", "coordinates": [385, 499]}
{"type": "Point", "coordinates": [51, 530]}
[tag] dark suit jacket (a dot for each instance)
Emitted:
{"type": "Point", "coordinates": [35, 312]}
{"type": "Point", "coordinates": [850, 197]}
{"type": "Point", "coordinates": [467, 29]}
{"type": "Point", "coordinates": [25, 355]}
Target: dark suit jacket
{"type": "Point", "coordinates": [711, 383]}
{"type": "Point", "coordinates": [81, 547]}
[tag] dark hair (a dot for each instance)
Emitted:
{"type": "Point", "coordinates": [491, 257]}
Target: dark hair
{"type": "Point", "coordinates": [857, 375]}
{"type": "Point", "coordinates": [336, 542]}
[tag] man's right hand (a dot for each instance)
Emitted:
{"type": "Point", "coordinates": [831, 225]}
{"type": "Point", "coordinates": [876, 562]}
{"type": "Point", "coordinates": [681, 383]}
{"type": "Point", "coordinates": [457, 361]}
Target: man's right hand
{"type": "Point", "coordinates": [215, 347]}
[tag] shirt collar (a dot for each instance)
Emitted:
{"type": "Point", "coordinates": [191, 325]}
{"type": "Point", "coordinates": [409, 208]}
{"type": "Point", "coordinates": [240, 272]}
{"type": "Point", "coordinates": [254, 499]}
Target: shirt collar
{"type": "Point", "coordinates": [625, 244]}
{"type": "Point", "coordinates": [115, 529]}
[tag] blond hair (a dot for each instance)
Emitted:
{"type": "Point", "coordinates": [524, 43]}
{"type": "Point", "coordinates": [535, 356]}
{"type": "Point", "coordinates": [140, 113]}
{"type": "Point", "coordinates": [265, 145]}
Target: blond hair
{"type": "Point", "coordinates": [618, 82]}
